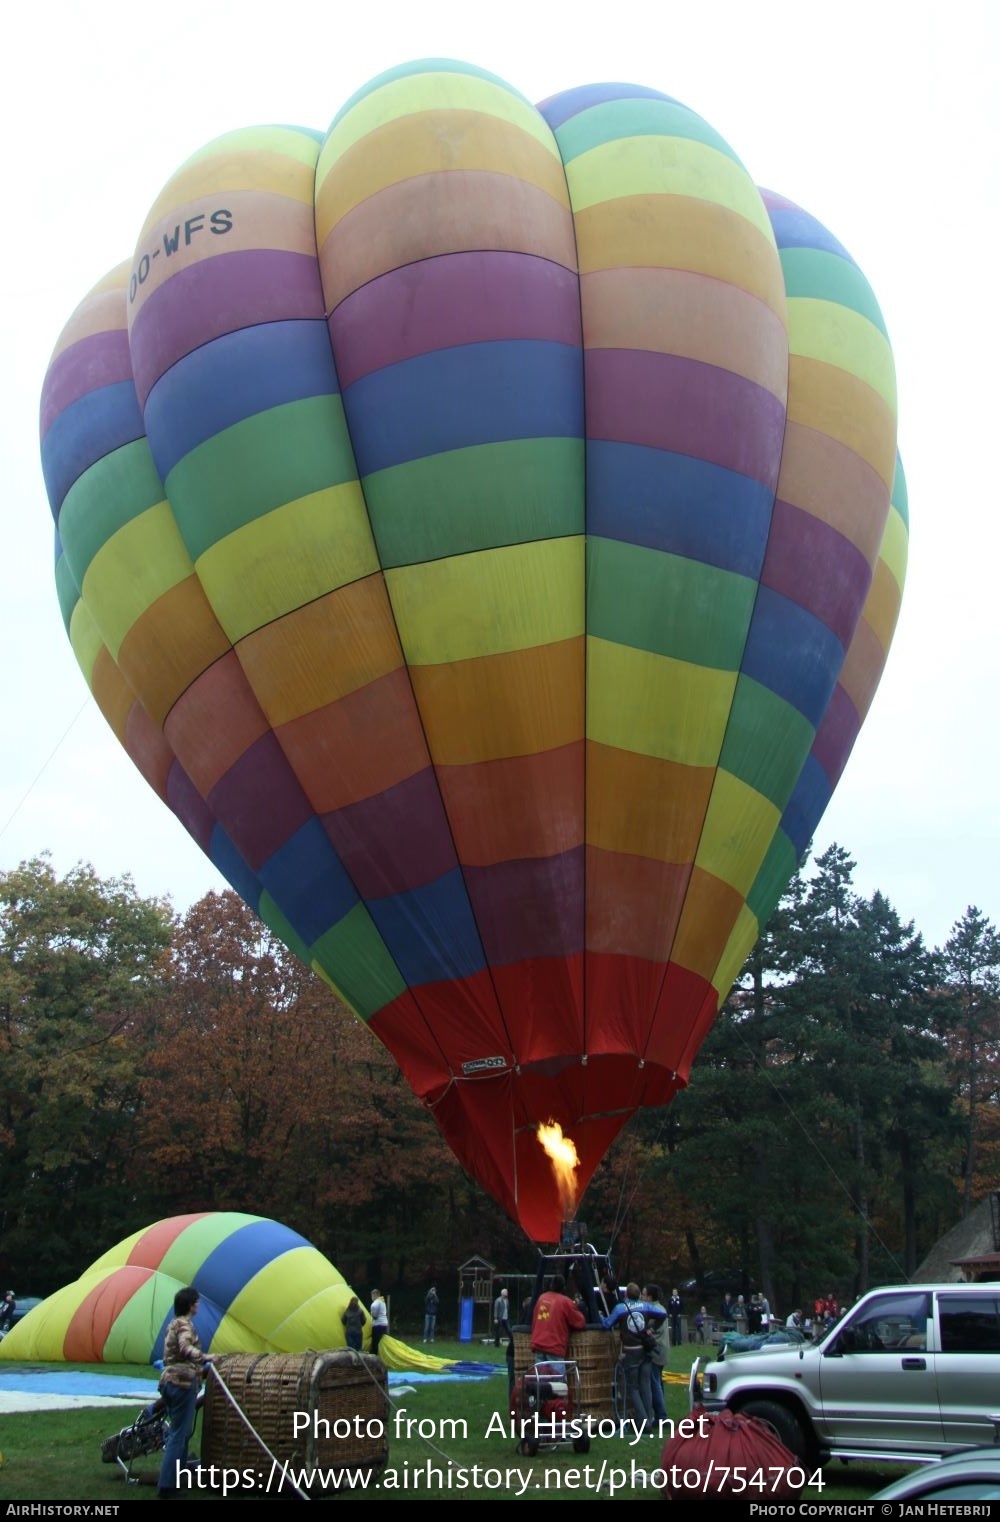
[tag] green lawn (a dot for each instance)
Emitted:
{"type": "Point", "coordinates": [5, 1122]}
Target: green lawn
{"type": "Point", "coordinates": [462, 1454]}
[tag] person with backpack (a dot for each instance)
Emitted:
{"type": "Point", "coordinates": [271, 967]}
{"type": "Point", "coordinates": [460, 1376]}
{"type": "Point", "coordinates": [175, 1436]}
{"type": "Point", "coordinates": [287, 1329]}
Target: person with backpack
{"type": "Point", "coordinates": [629, 1320]}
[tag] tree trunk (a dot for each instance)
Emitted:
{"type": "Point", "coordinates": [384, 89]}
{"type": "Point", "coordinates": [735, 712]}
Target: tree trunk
{"type": "Point", "coordinates": [765, 1243]}
{"type": "Point", "coordinates": [970, 1150]}
{"type": "Point", "coordinates": [909, 1209]}
{"type": "Point", "coordinates": [862, 1200]}
{"type": "Point", "coordinates": [693, 1252]}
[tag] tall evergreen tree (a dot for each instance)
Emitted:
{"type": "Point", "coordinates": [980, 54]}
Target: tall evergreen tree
{"type": "Point", "coordinates": [758, 1131]}
{"type": "Point", "coordinates": [862, 989]}
{"type": "Point", "coordinates": [820, 1098]}
{"type": "Point", "coordinates": [972, 969]}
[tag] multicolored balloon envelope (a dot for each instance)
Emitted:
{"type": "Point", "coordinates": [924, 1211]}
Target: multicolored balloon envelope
{"type": "Point", "coordinates": [482, 526]}
{"type": "Point", "coordinates": [263, 1288]}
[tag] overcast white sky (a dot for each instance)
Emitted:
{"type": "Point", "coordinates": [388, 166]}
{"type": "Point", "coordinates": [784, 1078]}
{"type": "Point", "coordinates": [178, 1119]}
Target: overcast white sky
{"type": "Point", "coordinates": [881, 119]}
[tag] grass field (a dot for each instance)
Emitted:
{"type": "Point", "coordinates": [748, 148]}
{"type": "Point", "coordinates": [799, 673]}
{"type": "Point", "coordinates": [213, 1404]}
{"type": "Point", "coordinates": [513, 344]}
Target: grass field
{"type": "Point", "coordinates": [463, 1455]}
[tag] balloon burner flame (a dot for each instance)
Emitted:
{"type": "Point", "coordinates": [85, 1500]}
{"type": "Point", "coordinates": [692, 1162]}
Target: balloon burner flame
{"type": "Point", "coordinates": [560, 1151]}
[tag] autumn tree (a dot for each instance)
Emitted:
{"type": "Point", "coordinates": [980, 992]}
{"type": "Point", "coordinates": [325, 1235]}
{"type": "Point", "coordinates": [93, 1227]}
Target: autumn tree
{"type": "Point", "coordinates": [266, 1094]}
{"type": "Point", "coordinates": [81, 966]}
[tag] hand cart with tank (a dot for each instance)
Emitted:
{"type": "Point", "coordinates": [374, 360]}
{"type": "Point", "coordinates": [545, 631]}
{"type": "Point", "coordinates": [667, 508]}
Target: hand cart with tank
{"type": "Point", "coordinates": [146, 1435]}
{"type": "Point", "coordinates": [546, 1408]}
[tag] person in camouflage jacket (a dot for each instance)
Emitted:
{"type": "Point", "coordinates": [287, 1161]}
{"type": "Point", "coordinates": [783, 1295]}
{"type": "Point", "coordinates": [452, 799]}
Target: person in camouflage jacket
{"type": "Point", "coordinates": [183, 1365]}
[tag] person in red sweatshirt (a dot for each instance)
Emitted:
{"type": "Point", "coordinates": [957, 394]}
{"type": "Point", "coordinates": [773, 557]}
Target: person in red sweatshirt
{"type": "Point", "coordinates": [555, 1318]}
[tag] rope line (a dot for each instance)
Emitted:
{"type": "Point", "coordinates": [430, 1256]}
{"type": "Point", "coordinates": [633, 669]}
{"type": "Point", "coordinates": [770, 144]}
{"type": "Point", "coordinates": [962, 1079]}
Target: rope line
{"type": "Point", "coordinates": [45, 764]}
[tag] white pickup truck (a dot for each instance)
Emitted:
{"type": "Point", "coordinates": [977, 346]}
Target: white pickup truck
{"type": "Point", "coordinates": [910, 1373]}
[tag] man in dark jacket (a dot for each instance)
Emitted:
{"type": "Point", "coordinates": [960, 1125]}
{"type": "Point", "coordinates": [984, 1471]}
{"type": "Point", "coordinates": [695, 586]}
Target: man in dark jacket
{"type": "Point", "coordinates": [430, 1313]}
{"type": "Point", "coordinates": [676, 1308]}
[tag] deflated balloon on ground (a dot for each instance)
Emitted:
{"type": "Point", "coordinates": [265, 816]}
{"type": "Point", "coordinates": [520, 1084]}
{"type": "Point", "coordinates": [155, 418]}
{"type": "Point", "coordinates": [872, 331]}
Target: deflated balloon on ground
{"type": "Point", "coordinates": [262, 1289]}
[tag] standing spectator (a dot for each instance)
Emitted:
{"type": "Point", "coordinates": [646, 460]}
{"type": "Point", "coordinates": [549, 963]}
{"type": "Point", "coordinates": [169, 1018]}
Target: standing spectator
{"type": "Point", "coordinates": [7, 1308]}
{"type": "Point", "coordinates": [553, 1322]}
{"type": "Point", "coordinates": [741, 1314]}
{"type": "Point", "coordinates": [728, 1312]}
{"type": "Point", "coordinates": [501, 1317]}
{"type": "Point", "coordinates": [380, 1319]}
{"type": "Point", "coordinates": [753, 1315]}
{"type": "Point", "coordinates": [629, 1317]}
{"type": "Point", "coordinates": [675, 1308]}
{"type": "Point", "coordinates": [354, 1320]}
{"type": "Point", "coordinates": [656, 1326]}
{"type": "Point", "coordinates": [183, 1364]}
{"type": "Point", "coordinates": [765, 1313]}
{"type": "Point", "coordinates": [701, 1322]}
{"type": "Point", "coordinates": [430, 1313]}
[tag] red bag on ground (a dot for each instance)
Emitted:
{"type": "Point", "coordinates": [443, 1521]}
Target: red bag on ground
{"type": "Point", "coordinates": [732, 1454]}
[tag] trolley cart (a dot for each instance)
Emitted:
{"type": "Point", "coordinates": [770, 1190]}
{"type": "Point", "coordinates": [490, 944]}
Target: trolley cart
{"type": "Point", "coordinates": [545, 1405]}
{"type": "Point", "coordinates": [145, 1435]}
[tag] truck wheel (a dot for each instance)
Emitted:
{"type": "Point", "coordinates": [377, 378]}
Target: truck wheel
{"type": "Point", "coordinates": [783, 1423]}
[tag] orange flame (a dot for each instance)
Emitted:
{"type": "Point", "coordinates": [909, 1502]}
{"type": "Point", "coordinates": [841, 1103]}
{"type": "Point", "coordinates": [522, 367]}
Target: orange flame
{"type": "Point", "coordinates": [562, 1154]}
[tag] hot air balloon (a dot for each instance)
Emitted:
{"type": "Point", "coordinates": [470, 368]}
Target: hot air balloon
{"type": "Point", "coordinates": [263, 1289]}
{"type": "Point", "coordinates": [482, 526]}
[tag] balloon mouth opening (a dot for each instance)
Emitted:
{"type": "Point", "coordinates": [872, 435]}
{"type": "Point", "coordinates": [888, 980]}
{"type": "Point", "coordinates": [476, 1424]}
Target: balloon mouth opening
{"type": "Point", "coordinates": [562, 1155]}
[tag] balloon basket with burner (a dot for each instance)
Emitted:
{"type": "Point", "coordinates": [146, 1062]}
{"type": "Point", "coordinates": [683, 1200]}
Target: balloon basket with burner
{"type": "Point", "coordinates": [594, 1353]}
{"type": "Point", "coordinates": [587, 1275]}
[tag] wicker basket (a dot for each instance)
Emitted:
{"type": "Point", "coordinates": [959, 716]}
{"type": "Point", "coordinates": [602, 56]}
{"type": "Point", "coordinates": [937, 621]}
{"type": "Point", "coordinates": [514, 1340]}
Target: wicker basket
{"type": "Point", "coordinates": [343, 1395]}
{"type": "Point", "coordinates": [595, 1353]}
